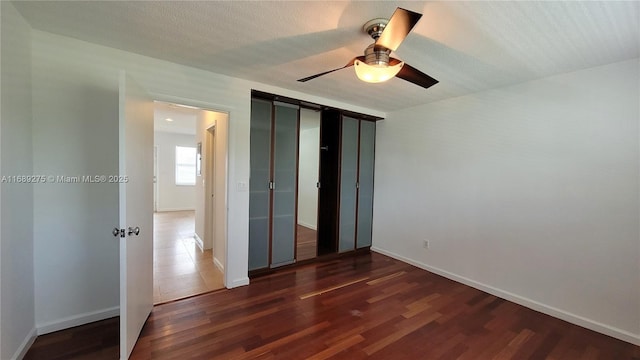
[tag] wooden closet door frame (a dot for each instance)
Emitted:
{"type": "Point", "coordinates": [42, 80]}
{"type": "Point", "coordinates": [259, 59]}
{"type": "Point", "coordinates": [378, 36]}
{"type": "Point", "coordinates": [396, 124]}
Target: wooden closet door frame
{"type": "Point", "coordinates": [358, 177]}
{"type": "Point", "coordinates": [357, 197]}
{"type": "Point", "coordinates": [272, 171]}
{"type": "Point", "coordinates": [297, 182]}
{"type": "Point", "coordinates": [272, 165]}
{"type": "Point", "coordinates": [355, 235]}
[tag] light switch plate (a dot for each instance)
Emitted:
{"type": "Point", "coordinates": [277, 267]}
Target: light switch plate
{"type": "Point", "coordinates": [242, 186]}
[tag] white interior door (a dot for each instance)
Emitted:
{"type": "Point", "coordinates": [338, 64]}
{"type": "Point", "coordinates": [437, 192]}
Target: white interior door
{"type": "Point", "coordinates": [155, 178]}
{"type": "Point", "coordinates": [136, 211]}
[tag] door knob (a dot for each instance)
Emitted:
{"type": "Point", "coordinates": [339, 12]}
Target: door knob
{"type": "Point", "coordinates": [135, 231]}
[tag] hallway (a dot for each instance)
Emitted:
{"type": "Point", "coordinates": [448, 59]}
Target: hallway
{"type": "Point", "coordinates": [180, 269]}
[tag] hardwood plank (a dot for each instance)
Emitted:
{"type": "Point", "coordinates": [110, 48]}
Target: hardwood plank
{"type": "Point", "coordinates": [336, 287]}
{"type": "Point", "coordinates": [306, 243]}
{"type": "Point", "coordinates": [419, 306]}
{"type": "Point", "coordinates": [385, 278]}
{"type": "Point", "coordinates": [338, 347]}
{"type": "Point", "coordinates": [368, 307]}
{"type": "Point", "coordinates": [285, 340]}
{"type": "Point", "coordinates": [96, 340]}
{"type": "Point", "coordinates": [404, 328]}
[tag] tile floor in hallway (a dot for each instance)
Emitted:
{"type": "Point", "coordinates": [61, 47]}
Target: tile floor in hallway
{"type": "Point", "coordinates": [180, 269]}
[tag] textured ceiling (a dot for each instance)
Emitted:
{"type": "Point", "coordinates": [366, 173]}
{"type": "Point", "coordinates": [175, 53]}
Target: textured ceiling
{"type": "Point", "coordinates": [467, 46]}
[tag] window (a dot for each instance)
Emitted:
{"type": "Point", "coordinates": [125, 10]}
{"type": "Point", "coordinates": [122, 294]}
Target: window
{"type": "Point", "coordinates": [185, 165]}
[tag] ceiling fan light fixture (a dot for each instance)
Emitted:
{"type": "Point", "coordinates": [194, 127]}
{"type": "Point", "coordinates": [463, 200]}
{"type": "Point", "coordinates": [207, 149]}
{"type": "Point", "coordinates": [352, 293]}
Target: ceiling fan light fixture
{"type": "Point", "coordinates": [377, 65]}
{"type": "Point", "coordinates": [376, 73]}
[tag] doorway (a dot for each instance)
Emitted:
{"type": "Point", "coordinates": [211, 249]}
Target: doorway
{"type": "Point", "coordinates": [209, 179]}
{"type": "Point", "coordinates": [184, 224]}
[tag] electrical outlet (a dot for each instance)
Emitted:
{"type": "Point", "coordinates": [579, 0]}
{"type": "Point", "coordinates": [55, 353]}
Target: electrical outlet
{"type": "Point", "coordinates": [242, 186]}
{"type": "Point", "coordinates": [425, 244]}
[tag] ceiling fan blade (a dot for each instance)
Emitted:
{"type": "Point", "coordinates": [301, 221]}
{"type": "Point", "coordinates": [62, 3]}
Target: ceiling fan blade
{"type": "Point", "coordinates": [416, 76]}
{"type": "Point", "coordinates": [361, 58]}
{"type": "Point", "coordinates": [399, 26]}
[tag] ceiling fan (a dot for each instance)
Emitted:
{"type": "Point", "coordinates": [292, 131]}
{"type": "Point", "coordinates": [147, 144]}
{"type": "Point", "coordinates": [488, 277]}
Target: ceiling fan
{"type": "Point", "coordinates": [377, 65]}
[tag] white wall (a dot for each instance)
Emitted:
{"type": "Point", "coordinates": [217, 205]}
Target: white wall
{"type": "Point", "coordinates": [17, 328]}
{"type": "Point", "coordinates": [220, 121]}
{"type": "Point", "coordinates": [529, 192]}
{"type": "Point", "coordinates": [75, 130]}
{"type": "Point", "coordinates": [220, 189]}
{"type": "Point", "coordinates": [204, 120]}
{"type": "Point", "coordinates": [172, 197]}
{"type": "Point", "coordinates": [308, 168]}
{"type": "Point", "coordinates": [75, 133]}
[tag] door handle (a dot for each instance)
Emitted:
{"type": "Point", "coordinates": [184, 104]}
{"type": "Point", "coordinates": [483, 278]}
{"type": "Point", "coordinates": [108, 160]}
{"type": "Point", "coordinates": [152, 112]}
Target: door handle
{"type": "Point", "coordinates": [135, 231]}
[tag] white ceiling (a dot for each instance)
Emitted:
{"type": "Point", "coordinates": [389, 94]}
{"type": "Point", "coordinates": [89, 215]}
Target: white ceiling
{"type": "Point", "coordinates": [467, 46]}
{"type": "Point", "coordinates": [184, 118]}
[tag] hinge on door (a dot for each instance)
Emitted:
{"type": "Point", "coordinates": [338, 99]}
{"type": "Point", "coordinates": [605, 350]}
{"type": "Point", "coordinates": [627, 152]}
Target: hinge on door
{"type": "Point", "coordinates": [318, 184]}
{"type": "Point", "coordinates": [122, 233]}
{"type": "Point", "coordinates": [272, 185]}
{"type": "Point", "coordinates": [357, 185]}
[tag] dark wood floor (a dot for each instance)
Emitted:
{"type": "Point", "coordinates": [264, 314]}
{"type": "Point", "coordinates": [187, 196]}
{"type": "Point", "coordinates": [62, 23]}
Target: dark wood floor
{"type": "Point", "coordinates": [98, 340]}
{"type": "Point", "coordinates": [306, 243]}
{"type": "Point", "coordinates": [369, 307]}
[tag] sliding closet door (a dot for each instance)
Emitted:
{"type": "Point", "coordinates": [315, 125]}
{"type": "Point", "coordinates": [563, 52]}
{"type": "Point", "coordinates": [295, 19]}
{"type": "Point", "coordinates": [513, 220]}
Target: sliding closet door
{"type": "Point", "coordinates": [259, 205]}
{"type": "Point", "coordinates": [284, 187]}
{"type": "Point", "coordinates": [348, 180]}
{"type": "Point", "coordinates": [365, 183]}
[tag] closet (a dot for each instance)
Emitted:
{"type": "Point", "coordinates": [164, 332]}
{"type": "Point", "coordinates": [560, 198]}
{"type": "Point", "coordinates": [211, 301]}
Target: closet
{"type": "Point", "coordinates": [311, 182]}
{"type": "Point", "coordinates": [356, 184]}
{"type": "Point", "coordinates": [272, 185]}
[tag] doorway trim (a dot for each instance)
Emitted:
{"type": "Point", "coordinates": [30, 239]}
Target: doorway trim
{"type": "Point", "coordinates": [210, 188]}
{"type": "Point", "coordinates": [219, 108]}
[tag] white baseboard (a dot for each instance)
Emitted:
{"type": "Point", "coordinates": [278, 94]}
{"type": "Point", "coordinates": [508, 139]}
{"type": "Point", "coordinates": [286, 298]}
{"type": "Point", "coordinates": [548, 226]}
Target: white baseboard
{"type": "Point", "coordinates": [218, 264]}
{"type": "Point", "coordinates": [199, 242]}
{"type": "Point", "coordinates": [238, 282]}
{"type": "Point", "coordinates": [173, 209]}
{"type": "Point", "coordinates": [526, 302]}
{"type": "Point", "coordinates": [26, 344]}
{"type": "Point", "coordinates": [77, 320]}
{"type": "Point", "coordinates": [312, 227]}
